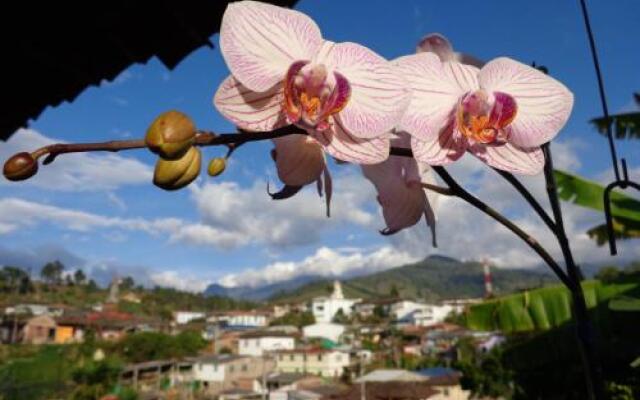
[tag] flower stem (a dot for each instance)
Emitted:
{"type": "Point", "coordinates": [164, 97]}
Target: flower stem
{"type": "Point", "coordinates": [460, 192]}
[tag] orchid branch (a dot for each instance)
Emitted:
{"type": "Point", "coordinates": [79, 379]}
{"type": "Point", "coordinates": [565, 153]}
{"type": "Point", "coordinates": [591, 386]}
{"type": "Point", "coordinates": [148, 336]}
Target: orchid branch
{"type": "Point", "coordinates": [461, 193]}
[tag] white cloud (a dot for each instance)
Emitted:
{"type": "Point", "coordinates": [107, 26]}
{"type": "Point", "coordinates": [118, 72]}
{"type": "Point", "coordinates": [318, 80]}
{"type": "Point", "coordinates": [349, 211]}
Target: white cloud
{"type": "Point", "coordinates": [179, 280]}
{"type": "Point", "coordinates": [324, 262]}
{"type": "Point", "coordinates": [76, 172]}
{"type": "Point", "coordinates": [234, 216]}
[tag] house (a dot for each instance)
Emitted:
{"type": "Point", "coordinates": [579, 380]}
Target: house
{"type": "Point", "coordinates": [217, 373]}
{"type": "Point", "coordinates": [368, 308]}
{"type": "Point", "coordinates": [324, 330]}
{"type": "Point", "coordinates": [446, 382]}
{"type": "Point", "coordinates": [391, 375]}
{"type": "Point", "coordinates": [23, 328]}
{"type": "Point", "coordinates": [386, 390]}
{"type": "Point", "coordinates": [184, 317]}
{"type": "Point", "coordinates": [241, 319]}
{"type": "Point", "coordinates": [39, 330]}
{"type": "Point", "coordinates": [109, 324]}
{"type": "Point", "coordinates": [149, 376]}
{"type": "Point", "coordinates": [322, 362]}
{"type": "Point", "coordinates": [430, 383]}
{"type": "Point", "coordinates": [407, 312]}
{"type": "Point", "coordinates": [324, 309]}
{"type": "Point", "coordinates": [281, 385]}
{"type": "Point", "coordinates": [34, 309]}
{"type": "Point", "coordinates": [257, 343]}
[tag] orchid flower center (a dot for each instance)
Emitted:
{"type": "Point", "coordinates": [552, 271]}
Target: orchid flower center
{"type": "Point", "coordinates": [312, 94]}
{"type": "Point", "coordinates": [484, 117]}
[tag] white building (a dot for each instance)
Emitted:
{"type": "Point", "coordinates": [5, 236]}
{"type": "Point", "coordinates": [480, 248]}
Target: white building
{"type": "Point", "coordinates": [258, 343]}
{"type": "Point", "coordinates": [321, 362]}
{"type": "Point", "coordinates": [407, 312]}
{"type": "Point", "coordinates": [325, 308]}
{"type": "Point", "coordinates": [242, 319]}
{"type": "Point", "coordinates": [324, 330]}
{"type": "Point", "coordinates": [184, 317]}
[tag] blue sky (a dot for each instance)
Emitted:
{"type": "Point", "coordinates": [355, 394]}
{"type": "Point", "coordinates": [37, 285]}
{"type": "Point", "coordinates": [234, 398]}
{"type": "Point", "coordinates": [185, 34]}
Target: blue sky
{"type": "Point", "coordinates": [101, 212]}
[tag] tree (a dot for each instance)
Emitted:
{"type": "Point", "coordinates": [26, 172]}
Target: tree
{"type": "Point", "coordinates": [340, 317]}
{"type": "Point", "coordinates": [15, 280]}
{"type": "Point", "coordinates": [79, 277]}
{"type": "Point", "coordinates": [127, 283]}
{"type": "Point", "coordinates": [92, 286]}
{"type": "Point", "coordinates": [608, 274]}
{"type": "Point", "coordinates": [394, 292]}
{"type": "Point", "coordinates": [51, 273]}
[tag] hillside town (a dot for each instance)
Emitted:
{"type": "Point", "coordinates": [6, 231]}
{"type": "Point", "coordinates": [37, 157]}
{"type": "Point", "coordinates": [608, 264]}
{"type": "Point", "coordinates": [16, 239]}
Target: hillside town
{"type": "Point", "coordinates": [335, 347]}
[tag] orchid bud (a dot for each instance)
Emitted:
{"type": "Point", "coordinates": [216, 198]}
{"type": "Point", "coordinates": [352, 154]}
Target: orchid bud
{"type": "Point", "coordinates": [170, 135]}
{"type": "Point", "coordinates": [217, 166]}
{"type": "Point", "coordinates": [20, 166]}
{"type": "Point", "coordinates": [176, 174]}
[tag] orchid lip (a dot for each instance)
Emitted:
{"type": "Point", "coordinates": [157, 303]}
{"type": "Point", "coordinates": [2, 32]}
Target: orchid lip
{"type": "Point", "coordinates": [485, 117]}
{"type": "Point", "coordinates": [312, 94]}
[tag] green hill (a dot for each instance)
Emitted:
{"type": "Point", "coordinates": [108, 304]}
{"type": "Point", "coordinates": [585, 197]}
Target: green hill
{"type": "Point", "coordinates": [432, 279]}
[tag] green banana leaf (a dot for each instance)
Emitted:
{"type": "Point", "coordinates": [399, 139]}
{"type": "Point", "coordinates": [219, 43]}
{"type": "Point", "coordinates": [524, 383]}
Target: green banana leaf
{"type": "Point", "coordinates": [625, 126]}
{"type": "Point", "coordinates": [589, 194]}
{"type": "Point", "coordinates": [544, 308]}
{"type": "Point", "coordinates": [583, 192]}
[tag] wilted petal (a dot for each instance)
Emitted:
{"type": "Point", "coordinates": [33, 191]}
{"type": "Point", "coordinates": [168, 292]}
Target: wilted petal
{"type": "Point", "coordinates": [402, 204]}
{"type": "Point", "coordinates": [346, 147]}
{"type": "Point", "coordinates": [259, 41]}
{"type": "Point", "coordinates": [443, 149]}
{"type": "Point", "coordinates": [508, 157]}
{"type": "Point", "coordinates": [249, 110]}
{"type": "Point", "coordinates": [544, 104]}
{"type": "Point", "coordinates": [328, 189]}
{"type": "Point", "coordinates": [438, 44]}
{"type": "Point", "coordinates": [436, 88]}
{"type": "Point", "coordinates": [378, 92]}
{"type": "Point", "coordinates": [299, 159]}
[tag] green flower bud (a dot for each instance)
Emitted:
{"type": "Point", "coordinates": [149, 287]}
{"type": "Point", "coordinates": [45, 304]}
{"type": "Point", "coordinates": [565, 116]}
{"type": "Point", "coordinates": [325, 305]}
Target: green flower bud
{"type": "Point", "coordinates": [217, 166]}
{"type": "Point", "coordinates": [20, 166]}
{"type": "Point", "coordinates": [170, 135]}
{"type": "Point", "coordinates": [176, 174]}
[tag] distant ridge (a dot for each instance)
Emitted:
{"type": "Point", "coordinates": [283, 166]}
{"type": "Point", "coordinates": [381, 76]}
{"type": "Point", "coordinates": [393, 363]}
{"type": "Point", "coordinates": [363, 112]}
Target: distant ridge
{"type": "Point", "coordinates": [437, 277]}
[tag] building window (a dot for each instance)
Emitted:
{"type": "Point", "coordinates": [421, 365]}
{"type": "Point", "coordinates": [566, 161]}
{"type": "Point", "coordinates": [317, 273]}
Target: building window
{"type": "Point", "coordinates": [291, 357]}
{"type": "Point", "coordinates": [231, 368]}
{"type": "Point", "coordinates": [319, 357]}
{"type": "Point", "coordinates": [281, 357]}
{"type": "Point", "coordinates": [244, 367]}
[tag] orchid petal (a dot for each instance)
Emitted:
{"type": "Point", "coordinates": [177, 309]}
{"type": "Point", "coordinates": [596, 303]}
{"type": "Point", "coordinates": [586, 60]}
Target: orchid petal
{"type": "Point", "coordinates": [259, 41]}
{"type": "Point", "coordinates": [544, 104]}
{"type": "Point", "coordinates": [508, 157]}
{"type": "Point", "coordinates": [402, 204]}
{"type": "Point", "coordinates": [443, 149]}
{"type": "Point", "coordinates": [378, 92]}
{"type": "Point", "coordinates": [344, 146]}
{"type": "Point", "coordinates": [436, 87]}
{"type": "Point", "coordinates": [250, 110]}
{"type": "Point", "coordinates": [299, 159]}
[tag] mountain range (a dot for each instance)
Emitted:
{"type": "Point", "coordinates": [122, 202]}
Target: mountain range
{"type": "Point", "coordinates": [434, 278]}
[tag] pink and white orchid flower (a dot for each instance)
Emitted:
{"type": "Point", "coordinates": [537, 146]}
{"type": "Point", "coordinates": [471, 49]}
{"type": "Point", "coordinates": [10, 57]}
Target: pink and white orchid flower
{"type": "Point", "coordinates": [398, 181]}
{"type": "Point", "coordinates": [501, 113]}
{"type": "Point", "coordinates": [441, 46]}
{"type": "Point", "coordinates": [283, 72]}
